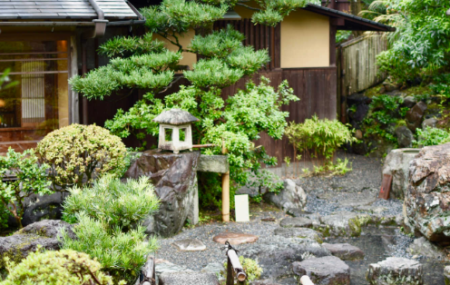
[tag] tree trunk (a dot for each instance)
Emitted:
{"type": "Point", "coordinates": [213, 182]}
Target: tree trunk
{"type": "Point", "coordinates": [355, 8]}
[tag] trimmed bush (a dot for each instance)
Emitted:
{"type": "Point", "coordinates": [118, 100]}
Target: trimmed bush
{"type": "Point", "coordinates": [77, 154]}
{"type": "Point", "coordinates": [56, 267]}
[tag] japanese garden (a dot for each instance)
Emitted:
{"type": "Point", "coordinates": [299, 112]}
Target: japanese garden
{"type": "Point", "coordinates": [220, 142]}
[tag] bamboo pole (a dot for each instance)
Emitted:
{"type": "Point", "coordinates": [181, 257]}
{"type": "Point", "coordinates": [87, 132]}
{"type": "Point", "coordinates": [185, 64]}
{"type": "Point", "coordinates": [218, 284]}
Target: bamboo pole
{"type": "Point", "coordinates": [225, 191]}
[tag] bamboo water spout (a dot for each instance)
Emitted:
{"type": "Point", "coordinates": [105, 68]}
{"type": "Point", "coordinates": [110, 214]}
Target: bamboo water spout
{"type": "Point", "coordinates": [234, 267]}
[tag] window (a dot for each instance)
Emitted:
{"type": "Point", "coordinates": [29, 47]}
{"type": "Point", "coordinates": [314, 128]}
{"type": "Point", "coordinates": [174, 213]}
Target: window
{"type": "Point", "coordinates": [39, 104]}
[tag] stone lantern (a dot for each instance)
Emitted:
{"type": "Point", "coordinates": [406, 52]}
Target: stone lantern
{"type": "Point", "coordinates": [175, 130]}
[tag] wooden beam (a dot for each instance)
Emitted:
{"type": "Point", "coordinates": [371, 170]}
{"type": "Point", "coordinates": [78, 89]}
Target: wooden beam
{"type": "Point", "coordinates": [333, 30]}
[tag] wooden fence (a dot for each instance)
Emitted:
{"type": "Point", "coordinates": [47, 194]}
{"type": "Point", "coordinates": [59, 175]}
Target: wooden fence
{"type": "Point", "coordinates": [357, 65]}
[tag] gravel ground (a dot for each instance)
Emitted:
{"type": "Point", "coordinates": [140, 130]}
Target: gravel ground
{"type": "Point", "coordinates": [214, 252]}
{"type": "Point", "coordinates": [325, 196]}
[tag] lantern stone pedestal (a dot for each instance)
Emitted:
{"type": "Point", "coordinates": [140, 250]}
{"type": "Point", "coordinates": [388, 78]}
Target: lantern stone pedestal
{"type": "Point", "coordinates": [175, 180]}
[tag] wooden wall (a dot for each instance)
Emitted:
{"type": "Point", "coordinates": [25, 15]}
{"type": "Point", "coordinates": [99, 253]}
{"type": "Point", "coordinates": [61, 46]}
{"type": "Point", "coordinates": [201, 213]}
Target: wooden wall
{"type": "Point", "coordinates": [316, 88]}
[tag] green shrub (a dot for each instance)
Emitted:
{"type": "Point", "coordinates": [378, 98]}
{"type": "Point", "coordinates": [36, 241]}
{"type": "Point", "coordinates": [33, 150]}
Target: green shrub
{"type": "Point", "coordinates": [55, 268]}
{"type": "Point", "coordinates": [108, 216]}
{"type": "Point", "coordinates": [431, 136]}
{"type": "Point", "coordinates": [77, 154]}
{"type": "Point", "coordinates": [120, 204]}
{"type": "Point", "coordinates": [320, 138]}
{"type": "Point", "coordinates": [121, 254]}
{"type": "Point", "coordinates": [31, 179]}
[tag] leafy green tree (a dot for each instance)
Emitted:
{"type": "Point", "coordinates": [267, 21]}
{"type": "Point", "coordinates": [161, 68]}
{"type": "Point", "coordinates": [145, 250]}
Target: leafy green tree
{"type": "Point", "coordinates": [420, 44]}
{"type": "Point", "coordinates": [144, 63]}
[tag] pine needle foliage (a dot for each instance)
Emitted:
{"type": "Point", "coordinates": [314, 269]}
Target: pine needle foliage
{"type": "Point", "coordinates": [224, 61]}
{"type": "Point", "coordinates": [109, 215]}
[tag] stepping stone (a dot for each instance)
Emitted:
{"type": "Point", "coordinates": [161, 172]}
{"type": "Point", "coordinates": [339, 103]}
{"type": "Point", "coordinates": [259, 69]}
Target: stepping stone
{"type": "Point", "coordinates": [299, 233]}
{"type": "Point", "coordinates": [299, 222]}
{"type": "Point", "coordinates": [189, 245]}
{"type": "Point", "coordinates": [395, 270]}
{"type": "Point", "coordinates": [345, 223]}
{"type": "Point", "coordinates": [328, 270]}
{"type": "Point", "coordinates": [188, 278]}
{"type": "Point", "coordinates": [234, 238]}
{"type": "Point", "coordinates": [344, 251]}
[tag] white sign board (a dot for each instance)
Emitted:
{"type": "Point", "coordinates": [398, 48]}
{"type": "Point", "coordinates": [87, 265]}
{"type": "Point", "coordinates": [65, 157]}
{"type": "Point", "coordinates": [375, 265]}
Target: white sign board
{"type": "Point", "coordinates": [242, 208]}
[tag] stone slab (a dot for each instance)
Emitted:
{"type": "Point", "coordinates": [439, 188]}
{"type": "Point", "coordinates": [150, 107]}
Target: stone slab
{"type": "Point", "coordinates": [299, 222]}
{"type": "Point", "coordinates": [328, 270]}
{"type": "Point", "coordinates": [344, 251]}
{"type": "Point", "coordinates": [189, 245]}
{"type": "Point", "coordinates": [213, 163]}
{"type": "Point", "coordinates": [395, 270]}
{"type": "Point", "coordinates": [188, 278]}
{"type": "Point", "coordinates": [235, 238]}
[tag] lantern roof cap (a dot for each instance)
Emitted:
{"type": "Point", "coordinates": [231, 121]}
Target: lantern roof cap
{"type": "Point", "coordinates": [175, 117]}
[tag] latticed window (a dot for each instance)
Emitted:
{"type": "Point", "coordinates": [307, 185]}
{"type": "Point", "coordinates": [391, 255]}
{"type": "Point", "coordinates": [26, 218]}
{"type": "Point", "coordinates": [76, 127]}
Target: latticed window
{"type": "Point", "coordinates": [39, 103]}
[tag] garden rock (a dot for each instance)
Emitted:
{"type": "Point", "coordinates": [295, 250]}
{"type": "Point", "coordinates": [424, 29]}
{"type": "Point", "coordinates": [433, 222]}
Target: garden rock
{"type": "Point", "coordinates": [431, 122]}
{"type": "Point", "coordinates": [164, 266]}
{"type": "Point", "coordinates": [447, 275]}
{"type": "Point", "coordinates": [188, 278]}
{"type": "Point", "coordinates": [404, 136]}
{"type": "Point", "coordinates": [397, 164]}
{"type": "Point", "coordinates": [415, 116]}
{"type": "Point", "coordinates": [276, 254]}
{"type": "Point", "coordinates": [344, 251]}
{"type": "Point", "coordinates": [299, 222]}
{"type": "Point", "coordinates": [43, 207]}
{"type": "Point", "coordinates": [234, 238]}
{"type": "Point", "coordinates": [18, 246]}
{"type": "Point", "coordinates": [343, 224]}
{"type": "Point", "coordinates": [421, 246]}
{"type": "Point", "coordinates": [175, 180]}
{"type": "Point", "coordinates": [291, 196]}
{"type": "Point", "coordinates": [328, 270]}
{"type": "Point", "coordinates": [215, 268]}
{"type": "Point", "coordinates": [189, 245]}
{"type": "Point", "coordinates": [409, 101]}
{"type": "Point", "coordinates": [44, 233]}
{"type": "Point", "coordinates": [299, 233]}
{"type": "Point", "coordinates": [395, 270]}
{"type": "Point", "coordinates": [49, 228]}
{"type": "Point", "coordinates": [428, 201]}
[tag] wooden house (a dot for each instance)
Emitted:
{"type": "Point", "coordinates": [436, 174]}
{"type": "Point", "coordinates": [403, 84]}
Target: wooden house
{"type": "Point", "coordinates": [50, 43]}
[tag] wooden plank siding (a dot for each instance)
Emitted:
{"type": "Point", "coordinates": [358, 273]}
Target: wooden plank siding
{"type": "Point", "coordinates": [316, 88]}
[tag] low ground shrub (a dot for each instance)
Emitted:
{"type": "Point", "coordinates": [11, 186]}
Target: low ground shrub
{"type": "Point", "coordinates": [109, 215]}
{"type": "Point", "coordinates": [77, 154]}
{"type": "Point", "coordinates": [320, 138]}
{"type": "Point", "coordinates": [56, 267]}
{"type": "Point", "coordinates": [431, 136]}
{"type": "Point", "coordinates": [31, 179]}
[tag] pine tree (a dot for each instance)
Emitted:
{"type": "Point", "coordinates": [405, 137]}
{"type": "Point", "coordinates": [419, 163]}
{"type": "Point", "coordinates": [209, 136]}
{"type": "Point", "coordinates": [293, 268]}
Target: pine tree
{"type": "Point", "coordinates": [144, 63]}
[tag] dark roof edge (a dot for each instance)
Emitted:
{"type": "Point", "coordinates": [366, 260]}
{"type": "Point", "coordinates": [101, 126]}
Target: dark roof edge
{"type": "Point", "coordinates": [335, 13]}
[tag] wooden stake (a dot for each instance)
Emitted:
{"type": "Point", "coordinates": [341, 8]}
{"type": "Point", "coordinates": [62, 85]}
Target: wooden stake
{"type": "Point", "coordinates": [225, 191]}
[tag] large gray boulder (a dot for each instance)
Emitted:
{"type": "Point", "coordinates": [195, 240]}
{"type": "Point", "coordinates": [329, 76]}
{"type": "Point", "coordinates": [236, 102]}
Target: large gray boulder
{"type": "Point", "coordinates": [291, 196]}
{"type": "Point", "coordinates": [395, 271]}
{"type": "Point", "coordinates": [276, 254]}
{"type": "Point", "coordinates": [397, 164]}
{"type": "Point", "coordinates": [188, 278]}
{"type": "Point", "coordinates": [428, 197]}
{"type": "Point", "coordinates": [328, 270]}
{"type": "Point", "coordinates": [343, 224]}
{"type": "Point", "coordinates": [344, 251]}
{"type": "Point", "coordinates": [175, 180]}
{"type": "Point", "coordinates": [44, 234]}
